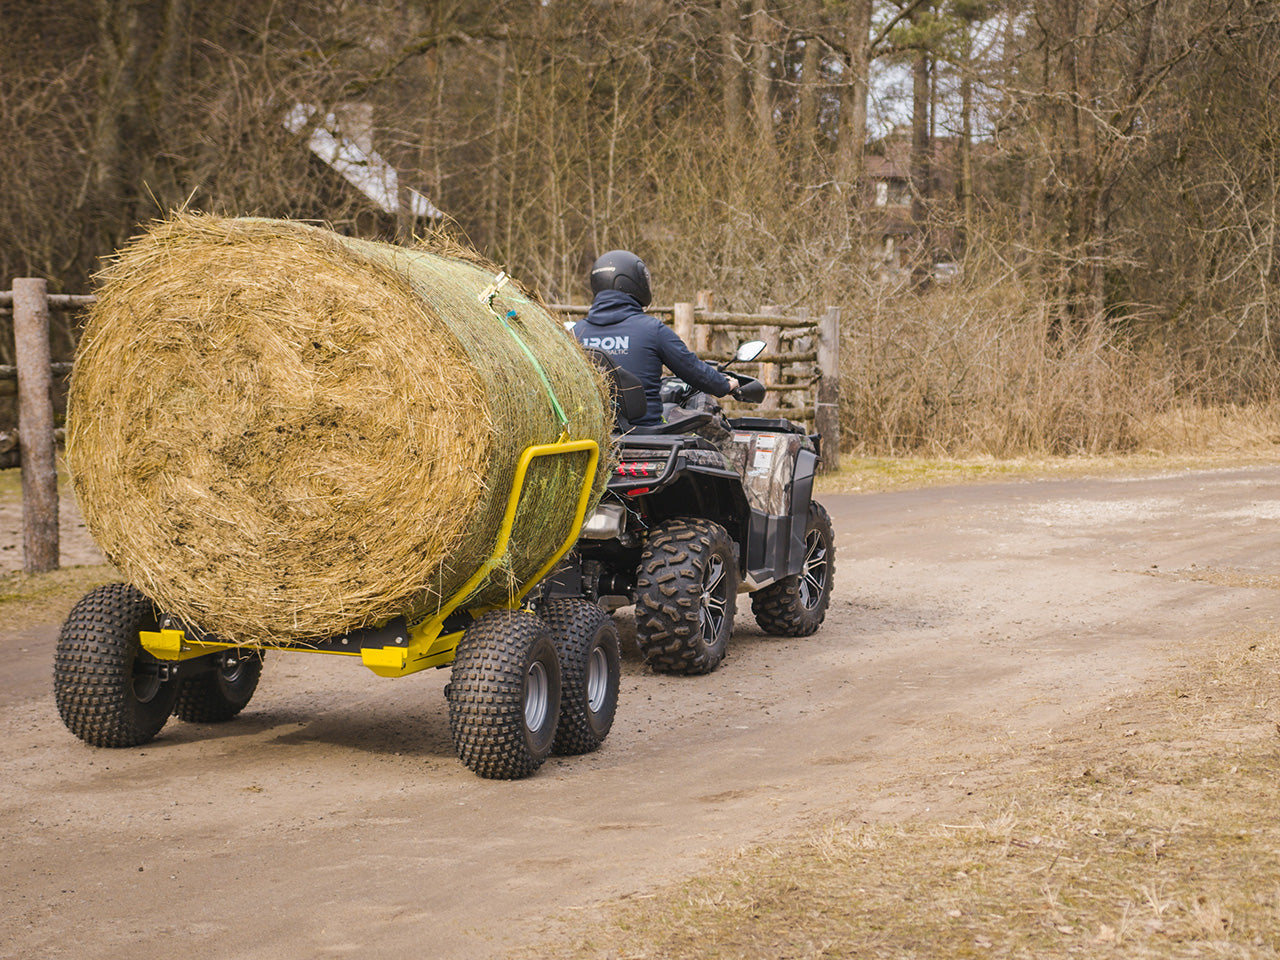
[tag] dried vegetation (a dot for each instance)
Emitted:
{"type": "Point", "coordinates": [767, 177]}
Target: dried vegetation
{"type": "Point", "coordinates": [982, 370]}
{"type": "Point", "coordinates": [1145, 830]}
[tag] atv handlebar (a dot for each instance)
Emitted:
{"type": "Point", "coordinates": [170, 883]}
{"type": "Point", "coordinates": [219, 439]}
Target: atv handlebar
{"type": "Point", "coordinates": [676, 391]}
{"type": "Point", "coordinates": [750, 390]}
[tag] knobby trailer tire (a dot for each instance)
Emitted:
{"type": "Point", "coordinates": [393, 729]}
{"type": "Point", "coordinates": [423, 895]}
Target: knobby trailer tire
{"type": "Point", "coordinates": [221, 692]}
{"type": "Point", "coordinates": [109, 691]}
{"type": "Point", "coordinates": [590, 670]}
{"type": "Point", "coordinates": [504, 695]}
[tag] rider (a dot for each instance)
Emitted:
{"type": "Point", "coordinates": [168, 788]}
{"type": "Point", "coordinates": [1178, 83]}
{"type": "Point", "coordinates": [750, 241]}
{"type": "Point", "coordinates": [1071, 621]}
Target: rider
{"type": "Point", "coordinates": [637, 342]}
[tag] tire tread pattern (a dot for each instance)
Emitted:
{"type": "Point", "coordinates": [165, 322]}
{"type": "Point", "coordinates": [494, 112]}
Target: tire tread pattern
{"type": "Point", "coordinates": [485, 694]}
{"type": "Point", "coordinates": [778, 608]}
{"type": "Point", "coordinates": [576, 627]}
{"type": "Point", "coordinates": [93, 667]}
{"type": "Point", "coordinates": [669, 591]}
{"type": "Point", "coordinates": [209, 698]}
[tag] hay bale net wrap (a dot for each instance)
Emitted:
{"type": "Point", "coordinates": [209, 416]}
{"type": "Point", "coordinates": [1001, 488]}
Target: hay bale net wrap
{"type": "Point", "coordinates": [281, 434]}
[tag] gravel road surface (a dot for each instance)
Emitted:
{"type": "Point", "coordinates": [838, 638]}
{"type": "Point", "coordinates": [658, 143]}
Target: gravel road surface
{"type": "Point", "coordinates": [332, 818]}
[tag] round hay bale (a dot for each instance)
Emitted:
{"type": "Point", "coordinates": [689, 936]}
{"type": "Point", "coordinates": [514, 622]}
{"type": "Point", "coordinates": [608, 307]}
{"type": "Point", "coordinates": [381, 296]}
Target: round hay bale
{"type": "Point", "coordinates": [281, 434]}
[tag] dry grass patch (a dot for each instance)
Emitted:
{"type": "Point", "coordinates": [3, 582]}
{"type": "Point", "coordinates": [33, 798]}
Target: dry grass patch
{"type": "Point", "coordinates": [1147, 831]}
{"type": "Point", "coordinates": [1182, 437]}
{"type": "Point", "coordinates": [11, 483]}
{"type": "Point", "coordinates": [27, 599]}
{"type": "Point", "coordinates": [985, 366]}
{"type": "Point", "coordinates": [858, 474]}
{"type": "Point", "coordinates": [1227, 429]}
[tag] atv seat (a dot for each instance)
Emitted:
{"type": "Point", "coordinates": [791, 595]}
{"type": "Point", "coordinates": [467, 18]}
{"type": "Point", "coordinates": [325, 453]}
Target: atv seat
{"type": "Point", "coordinates": [684, 422]}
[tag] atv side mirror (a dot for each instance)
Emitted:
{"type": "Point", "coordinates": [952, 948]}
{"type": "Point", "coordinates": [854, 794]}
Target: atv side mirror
{"type": "Point", "coordinates": [749, 351]}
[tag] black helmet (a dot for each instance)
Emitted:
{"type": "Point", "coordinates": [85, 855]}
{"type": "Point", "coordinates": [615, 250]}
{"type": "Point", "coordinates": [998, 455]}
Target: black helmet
{"type": "Point", "coordinates": [621, 270]}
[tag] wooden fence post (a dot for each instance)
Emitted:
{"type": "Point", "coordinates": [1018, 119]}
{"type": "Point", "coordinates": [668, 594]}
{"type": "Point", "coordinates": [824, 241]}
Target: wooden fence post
{"type": "Point", "coordinates": [826, 414]}
{"type": "Point", "coordinates": [772, 336]}
{"type": "Point", "coordinates": [701, 344]}
{"type": "Point", "coordinates": [683, 324]}
{"type": "Point", "coordinates": [35, 426]}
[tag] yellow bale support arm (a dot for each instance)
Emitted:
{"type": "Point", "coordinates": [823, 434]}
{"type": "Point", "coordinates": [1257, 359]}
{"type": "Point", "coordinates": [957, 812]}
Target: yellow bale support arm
{"type": "Point", "coordinates": [426, 644]}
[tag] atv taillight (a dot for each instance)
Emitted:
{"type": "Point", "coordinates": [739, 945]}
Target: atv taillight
{"type": "Point", "coordinates": [640, 468]}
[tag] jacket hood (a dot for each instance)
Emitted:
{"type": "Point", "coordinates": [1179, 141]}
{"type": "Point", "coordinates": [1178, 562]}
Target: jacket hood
{"type": "Point", "coordinates": [612, 306]}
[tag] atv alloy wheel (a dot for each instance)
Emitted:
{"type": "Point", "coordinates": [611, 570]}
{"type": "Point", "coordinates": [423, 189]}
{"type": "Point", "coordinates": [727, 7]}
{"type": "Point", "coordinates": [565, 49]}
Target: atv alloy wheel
{"type": "Point", "coordinates": [110, 692]}
{"type": "Point", "coordinates": [590, 669]}
{"type": "Point", "coordinates": [504, 695]}
{"type": "Point", "coordinates": [221, 692]}
{"type": "Point", "coordinates": [686, 591]}
{"type": "Point", "coordinates": [795, 606]}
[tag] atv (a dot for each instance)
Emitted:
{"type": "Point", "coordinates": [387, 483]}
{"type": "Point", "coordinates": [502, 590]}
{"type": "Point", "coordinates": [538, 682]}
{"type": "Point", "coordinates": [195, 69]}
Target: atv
{"type": "Point", "coordinates": [698, 509]}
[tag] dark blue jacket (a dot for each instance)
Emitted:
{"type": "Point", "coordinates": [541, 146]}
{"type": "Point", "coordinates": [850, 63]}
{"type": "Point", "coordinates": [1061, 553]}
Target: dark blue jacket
{"type": "Point", "coordinates": [618, 325]}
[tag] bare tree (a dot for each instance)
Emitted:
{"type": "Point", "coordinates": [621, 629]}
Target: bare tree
{"type": "Point", "coordinates": [852, 137]}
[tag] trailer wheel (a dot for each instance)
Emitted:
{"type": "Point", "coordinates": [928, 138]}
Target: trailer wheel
{"type": "Point", "coordinates": [110, 692]}
{"type": "Point", "coordinates": [590, 670]}
{"type": "Point", "coordinates": [795, 606]}
{"type": "Point", "coordinates": [686, 591]}
{"type": "Point", "coordinates": [504, 695]}
{"type": "Point", "coordinates": [223, 690]}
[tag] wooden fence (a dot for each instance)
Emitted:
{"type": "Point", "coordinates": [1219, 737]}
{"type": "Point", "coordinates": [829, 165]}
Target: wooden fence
{"type": "Point", "coordinates": [800, 367]}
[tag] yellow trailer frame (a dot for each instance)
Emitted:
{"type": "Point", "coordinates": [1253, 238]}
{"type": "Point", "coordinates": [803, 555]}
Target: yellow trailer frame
{"type": "Point", "coordinates": [424, 643]}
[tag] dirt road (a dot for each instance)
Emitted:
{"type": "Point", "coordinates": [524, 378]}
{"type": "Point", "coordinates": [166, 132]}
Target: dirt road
{"type": "Point", "coordinates": [332, 818]}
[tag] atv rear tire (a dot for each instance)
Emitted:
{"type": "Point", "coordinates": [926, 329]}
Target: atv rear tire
{"type": "Point", "coordinates": [504, 695]}
{"type": "Point", "coordinates": [217, 695]}
{"type": "Point", "coordinates": [795, 606]}
{"type": "Point", "coordinates": [590, 670]}
{"type": "Point", "coordinates": [686, 592]}
{"type": "Point", "coordinates": [110, 692]}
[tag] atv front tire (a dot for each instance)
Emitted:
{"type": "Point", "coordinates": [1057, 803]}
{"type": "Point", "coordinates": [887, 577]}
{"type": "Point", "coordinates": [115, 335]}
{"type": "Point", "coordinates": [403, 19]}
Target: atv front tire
{"type": "Point", "coordinates": [504, 695]}
{"type": "Point", "coordinates": [686, 592]}
{"type": "Point", "coordinates": [795, 606]}
{"type": "Point", "coordinates": [590, 670]}
{"type": "Point", "coordinates": [221, 692]}
{"type": "Point", "coordinates": [110, 692]}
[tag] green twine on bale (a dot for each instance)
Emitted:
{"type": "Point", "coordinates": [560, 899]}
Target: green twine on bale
{"type": "Point", "coordinates": [542, 374]}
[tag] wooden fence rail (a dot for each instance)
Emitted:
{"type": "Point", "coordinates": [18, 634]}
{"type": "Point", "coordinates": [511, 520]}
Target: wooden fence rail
{"type": "Point", "coordinates": [56, 301]}
{"type": "Point", "coordinates": [57, 369]}
{"type": "Point", "coordinates": [801, 369]}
